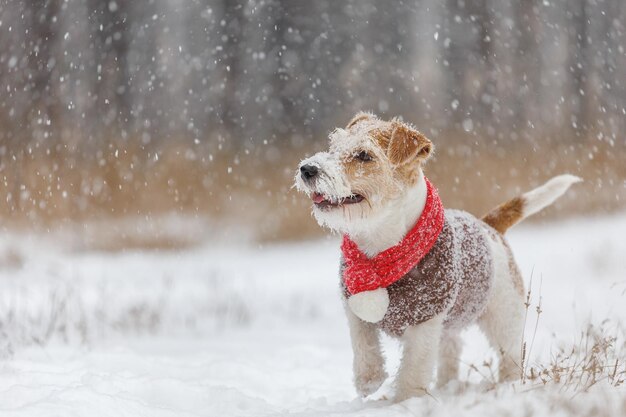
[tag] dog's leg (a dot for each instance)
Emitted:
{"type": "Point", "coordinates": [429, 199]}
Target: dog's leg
{"type": "Point", "coordinates": [421, 346]}
{"type": "Point", "coordinates": [368, 362]}
{"type": "Point", "coordinates": [449, 355]}
{"type": "Point", "coordinates": [503, 319]}
{"type": "Point", "coordinates": [503, 325]}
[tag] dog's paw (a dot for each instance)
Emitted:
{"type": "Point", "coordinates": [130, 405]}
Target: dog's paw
{"type": "Point", "coordinates": [368, 381]}
{"type": "Point", "coordinates": [405, 394]}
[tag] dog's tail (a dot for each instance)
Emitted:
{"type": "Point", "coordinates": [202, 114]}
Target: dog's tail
{"type": "Point", "coordinates": [517, 209]}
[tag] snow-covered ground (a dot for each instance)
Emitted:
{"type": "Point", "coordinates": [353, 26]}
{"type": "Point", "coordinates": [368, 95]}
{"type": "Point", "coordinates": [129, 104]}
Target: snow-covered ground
{"type": "Point", "coordinates": [252, 330]}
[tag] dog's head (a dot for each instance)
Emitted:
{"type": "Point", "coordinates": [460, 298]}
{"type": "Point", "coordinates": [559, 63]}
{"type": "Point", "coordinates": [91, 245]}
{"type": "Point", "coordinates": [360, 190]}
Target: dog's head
{"type": "Point", "coordinates": [369, 165]}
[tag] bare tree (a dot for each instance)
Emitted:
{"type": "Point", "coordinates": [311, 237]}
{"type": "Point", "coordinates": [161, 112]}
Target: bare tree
{"type": "Point", "coordinates": [111, 35]}
{"type": "Point", "coordinates": [578, 67]}
{"type": "Point", "coordinates": [43, 114]}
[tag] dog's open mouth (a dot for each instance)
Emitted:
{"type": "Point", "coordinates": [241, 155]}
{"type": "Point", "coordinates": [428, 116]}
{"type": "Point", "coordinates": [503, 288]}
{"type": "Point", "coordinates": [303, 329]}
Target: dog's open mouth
{"type": "Point", "coordinates": [322, 201]}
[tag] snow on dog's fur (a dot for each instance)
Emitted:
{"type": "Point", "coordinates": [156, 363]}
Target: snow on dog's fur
{"type": "Point", "coordinates": [370, 186]}
{"type": "Point", "coordinates": [391, 171]}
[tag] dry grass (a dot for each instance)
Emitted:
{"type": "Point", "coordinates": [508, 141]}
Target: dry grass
{"type": "Point", "coordinates": [597, 357]}
{"type": "Point", "coordinates": [251, 189]}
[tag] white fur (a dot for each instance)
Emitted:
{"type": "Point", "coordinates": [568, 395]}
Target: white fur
{"type": "Point", "coordinates": [370, 306]}
{"type": "Point", "coordinates": [543, 196]}
{"type": "Point", "coordinates": [333, 184]}
{"type": "Point", "coordinates": [449, 356]}
{"type": "Point", "coordinates": [368, 362]}
{"type": "Point", "coordinates": [420, 350]}
{"type": "Point", "coordinates": [386, 228]}
{"type": "Point", "coordinates": [332, 181]}
{"type": "Point", "coordinates": [503, 319]}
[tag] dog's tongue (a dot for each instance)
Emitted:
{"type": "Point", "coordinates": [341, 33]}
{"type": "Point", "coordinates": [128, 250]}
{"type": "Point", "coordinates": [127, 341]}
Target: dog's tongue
{"type": "Point", "coordinates": [317, 198]}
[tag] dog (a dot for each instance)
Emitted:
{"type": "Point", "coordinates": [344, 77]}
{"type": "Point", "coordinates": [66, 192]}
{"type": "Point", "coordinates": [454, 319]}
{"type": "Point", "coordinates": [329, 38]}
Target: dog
{"type": "Point", "coordinates": [409, 268]}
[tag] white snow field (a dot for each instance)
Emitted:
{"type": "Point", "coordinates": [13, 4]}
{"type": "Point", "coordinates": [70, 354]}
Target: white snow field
{"type": "Point", "coordinates": [245, 330]}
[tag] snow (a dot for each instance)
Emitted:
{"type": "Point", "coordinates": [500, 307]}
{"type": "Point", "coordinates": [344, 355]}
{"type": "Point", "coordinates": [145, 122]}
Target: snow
{"type": "Point", "coordinates": [259, 330]}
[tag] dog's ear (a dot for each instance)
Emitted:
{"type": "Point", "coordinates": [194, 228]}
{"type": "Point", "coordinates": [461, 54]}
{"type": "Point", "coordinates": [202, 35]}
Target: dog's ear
{"type": "Point", "coordinates": [359, 117]}
{"type": "Point", "coordinates": [406, 144]}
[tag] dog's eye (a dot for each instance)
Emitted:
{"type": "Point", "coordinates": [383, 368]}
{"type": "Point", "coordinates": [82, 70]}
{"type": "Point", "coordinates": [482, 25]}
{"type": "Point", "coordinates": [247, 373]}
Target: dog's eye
{"type": "Point", "coordinates": [363, 156]}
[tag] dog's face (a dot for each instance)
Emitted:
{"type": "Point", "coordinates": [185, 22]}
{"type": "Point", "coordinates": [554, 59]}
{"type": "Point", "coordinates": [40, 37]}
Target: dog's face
{"type": "Point", "coordinates": [369, 165]}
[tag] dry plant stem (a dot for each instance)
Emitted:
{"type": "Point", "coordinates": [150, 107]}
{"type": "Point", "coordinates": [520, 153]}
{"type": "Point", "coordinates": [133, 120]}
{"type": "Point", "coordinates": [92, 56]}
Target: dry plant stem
{"type": "Point", "coordinates": [523, 347]}
{"type": "Point", "coordinates": [490, 378]}
{"type": "Point", "coordinates": [538, 310]}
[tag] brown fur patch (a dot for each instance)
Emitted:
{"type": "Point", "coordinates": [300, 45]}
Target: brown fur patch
{"type": "Point", "coordinates": [381, 176]}
{"type": "Point", "coordinates": [505, 215]}
{"type": "Point", "coordinates": [359, 171]}
{"type": "Point", "coordinates": [516, 274]}
{"type": "Point", "coordinates": [370, 178]}
{"type": "Point", "coordinates": [407, 143]}
{"type": "Point", "coordinates": [405, 172]}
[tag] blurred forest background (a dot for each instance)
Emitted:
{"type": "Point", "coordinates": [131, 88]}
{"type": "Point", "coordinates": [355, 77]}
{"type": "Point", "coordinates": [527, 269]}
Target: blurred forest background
{"type": "Point", "coordinates": [127, 111]}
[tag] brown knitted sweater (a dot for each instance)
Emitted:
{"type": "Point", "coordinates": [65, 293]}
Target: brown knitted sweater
{"type": "Point", "coordinates": [454, 278]}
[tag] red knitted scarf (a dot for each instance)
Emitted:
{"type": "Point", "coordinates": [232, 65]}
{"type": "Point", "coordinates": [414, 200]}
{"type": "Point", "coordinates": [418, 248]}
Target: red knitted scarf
{"type": "Point", "coordinates": [365, 274]}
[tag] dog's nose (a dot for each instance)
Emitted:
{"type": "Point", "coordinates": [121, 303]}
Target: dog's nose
{"type": "Point", "coordinates": [308, 172]}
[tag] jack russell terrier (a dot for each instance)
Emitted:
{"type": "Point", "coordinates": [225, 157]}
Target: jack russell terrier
{"type": "Point", "coordinates": [410, 268]}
